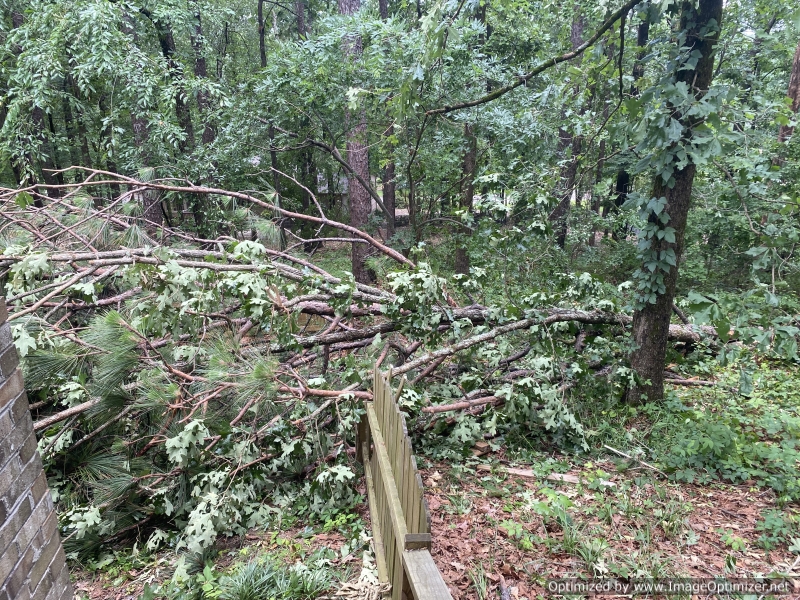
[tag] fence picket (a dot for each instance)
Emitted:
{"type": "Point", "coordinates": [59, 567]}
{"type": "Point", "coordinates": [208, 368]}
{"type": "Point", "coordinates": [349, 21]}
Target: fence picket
{"type": "Point", "coordinates": [398, 510]}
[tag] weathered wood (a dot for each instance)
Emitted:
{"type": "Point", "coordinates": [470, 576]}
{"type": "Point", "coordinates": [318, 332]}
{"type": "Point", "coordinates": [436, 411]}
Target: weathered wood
{"type": "Point", "coordinates": [424, 578]}
{"type": "Point", "coordinates": [400, 517]}
{"type": "Point", "coordinates": [418, 541]}
{"type": "Point", "coordinates": [377, 536]}
{"type": "Point", "coordinates": [393, 505]}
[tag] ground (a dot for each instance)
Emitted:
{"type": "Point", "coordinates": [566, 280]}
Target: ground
{"type": "Point", "coordinates": [529, 523]}
{"type": "Point", "coordinates": [530, 528]}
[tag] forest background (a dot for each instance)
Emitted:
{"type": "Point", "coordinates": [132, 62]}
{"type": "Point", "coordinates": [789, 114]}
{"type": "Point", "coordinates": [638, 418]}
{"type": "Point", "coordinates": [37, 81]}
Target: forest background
{"type": "Point", "coordinates": [218, 216]}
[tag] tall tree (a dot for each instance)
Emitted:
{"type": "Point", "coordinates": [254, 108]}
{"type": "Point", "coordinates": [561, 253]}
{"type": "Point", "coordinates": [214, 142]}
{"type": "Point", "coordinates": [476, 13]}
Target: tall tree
{"type": "Point", "coordinates": [358, 157]}
{"type": "Point", "coordinates": [794, 93]}
{"type": "Point", "coordinates": [389, 182]}
{"type": "Point", "coordinates": [201, 72]}
{"type": "Point", "coordinates": [166, 41]}
{"type": "Point", "coordinates": [262, 33]}
{"type": "Point", "coordinates": [622, 185]}
{"type": "Point", "coordinates": [700, 28]}
{"type": "Point", "coordinates": [469, 167]}
{"type": "Point", "coordinates": [568, 141]}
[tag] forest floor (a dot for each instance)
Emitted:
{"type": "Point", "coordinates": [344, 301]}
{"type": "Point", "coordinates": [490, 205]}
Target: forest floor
{"type": "Point", "coordinates": [493, 519]}
{"type": "Point", "coordinates": [526, 526]}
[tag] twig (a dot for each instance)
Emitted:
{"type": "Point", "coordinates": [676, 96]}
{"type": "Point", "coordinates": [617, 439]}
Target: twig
{"type": "Point", "coordinates": [629, 457]}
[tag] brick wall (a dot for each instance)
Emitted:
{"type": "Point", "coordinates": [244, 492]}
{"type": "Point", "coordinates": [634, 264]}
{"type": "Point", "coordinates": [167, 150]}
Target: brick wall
{"type": "Point", "coordinates": [32, 561]}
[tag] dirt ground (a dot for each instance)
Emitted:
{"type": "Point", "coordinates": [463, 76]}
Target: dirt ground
{"type": "Point", "coordinates": [494, 521]}
{"type": "Point", "coordinates": [494, 524]}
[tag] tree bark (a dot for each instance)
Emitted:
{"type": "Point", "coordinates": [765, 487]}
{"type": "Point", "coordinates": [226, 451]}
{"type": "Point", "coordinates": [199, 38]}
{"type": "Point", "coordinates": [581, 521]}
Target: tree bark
{"type": "Point", "coordinates": [569, 171]}
{"type": "Point", "coordinates": [262, 48]}
{"type": "Point", "coordinates": [623, 177]}
{"type": "Point", "coordinates": [786, 131]}
{"type": "Point", "coordinates": [107, 134]}
{"type": "Point", "coordinates": [651, 321]}
{"type": "Point", "coordinates": [167, 42]}
{"type": "Point", "coordinates": [45, 152]}
{"type": "Point", "coordinates": [389, 184]}
{"type": "Point", "coordinates": [358, 157]}
{"type": "Point", "coordinates": [201, 72]}
{"type": "Point", "coordinates": [390, 193]}
{"type": "Point", "coordinates": [467, 193]}
{"type": "Point", "coordinates": [300, 10]}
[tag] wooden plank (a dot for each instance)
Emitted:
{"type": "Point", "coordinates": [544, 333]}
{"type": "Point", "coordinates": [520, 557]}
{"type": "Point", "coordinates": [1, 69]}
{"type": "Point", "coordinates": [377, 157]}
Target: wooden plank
{"type": "Point", "coordinates": [399, 390]}
{"type": "Point", "coordinates": [362, 440]}
{"type": "Point", "coordinates": [408, 496]}
{"type": "Point", "coordinates": [424, 517]}
{"type": "Point", "coordinates": [415, 481]}
{"type": "Point", "coordinates": [393, 501]}
{"type": "Point", "coordinates": [424, 578]}
{"type": "Point", "coordinates": [409, 482]}
{"type": "Point", "coordinates": [418, 541]}
{"type": "Point", "coordinates": [377, 535]}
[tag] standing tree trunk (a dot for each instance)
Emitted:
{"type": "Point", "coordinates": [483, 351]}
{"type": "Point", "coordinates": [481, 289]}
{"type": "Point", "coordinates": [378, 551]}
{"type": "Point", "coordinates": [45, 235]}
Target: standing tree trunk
{"type": "Point", "coordinates": [167, 42]}
{"type": "Point", "coordinates": [300, 10]}
{"type": "Point", "coordinates": [701, 24]}
{"type": "Point", "coordinates": [360, 201]}
{"type": "Point", "coordinates": [262, 48]}
{"type": "Point", "coordinates": [45, 151]}
{"type": "Point", "coordinates": [786, 131]}
{"type": "Point", "coordinates": [389, 183]}
{"type": "Point", "coordinates": [107, 134]}
{"type": "Point", "coordinates": [201, 72]}
{"type": "Point", "coordinates": [569, 172]}
{"type": "Point", "coordinates": [622, 186]}
{"type": "Point", "coordinates": [467, 194]}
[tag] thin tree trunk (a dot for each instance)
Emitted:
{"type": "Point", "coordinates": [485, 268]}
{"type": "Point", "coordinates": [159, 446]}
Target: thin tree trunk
{"type": "Point", "coordinates": [569, 172]}
{"type": "Point", "coordinates": [54, 146]}
{"type": "Point", "coordinates": [71, 130]}
{"type": "Point", "coordinates": [201, 72]}
{"type": "Point", "coordinates": [651, 321]}
{"type": "Point", "coordinates": [465, 204]}
{"type": "Point", "coordinates": [601, 163]}
{"type": "Point", "coordinates": [389, 184]}
{"type": "Point", "coordinates": [623, 177]}
{"type": "Point", "coordinates": [45, 153]}
{"type": "Point", "coordinates": [300, 10]}
{"type": "Point", "coordinates": [360, 201]}
{"type": "Point", "coordinates": [167, 42]}
{"type": "Point", "coordinates": [786, 131]}
{"type": "Point", "coordinates": [149, 200]}
{"type": "Point", "coordinates": [262, 48]}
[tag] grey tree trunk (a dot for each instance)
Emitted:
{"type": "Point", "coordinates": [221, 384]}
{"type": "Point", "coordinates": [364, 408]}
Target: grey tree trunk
{"type": "Point", "coordinates": [651, 321]}
{"type": "Point", "coordinates": [623, 177]}
{"type": "Point", "coordinates": [300, 13]}
{"type": "Point", "coordinates": [467, 193]}
{"type": "Point", "coordinates": [167, 42]}
{"type": "Point", "coordinates": [794, 93]}
{"type": "Point", "coordinates": [152, 212]}
{"type": "Point", "coordinates": [569, 171]}
{"type": "Point", "coordinates": [389, 184]}
{"type": "Point", "coordinates": [201, 71]}
{"type": "Point", "coordinates": [261, 34]}
{"type": "Point", "coordinates": [358, 157]}
{"type": "Point", "coordinates": [45, 153]}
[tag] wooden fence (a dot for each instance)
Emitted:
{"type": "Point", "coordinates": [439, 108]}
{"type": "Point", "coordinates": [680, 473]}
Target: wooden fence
{"type": "Point", "coordinates": [401, 524]}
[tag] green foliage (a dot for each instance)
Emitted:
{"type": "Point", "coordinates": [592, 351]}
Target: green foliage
{"type": "Point", "coordinates": [734, 437]}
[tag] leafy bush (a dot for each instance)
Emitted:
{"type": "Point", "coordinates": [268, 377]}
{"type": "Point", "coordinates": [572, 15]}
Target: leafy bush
{"type": "Point", "coordinates": [733, 437]}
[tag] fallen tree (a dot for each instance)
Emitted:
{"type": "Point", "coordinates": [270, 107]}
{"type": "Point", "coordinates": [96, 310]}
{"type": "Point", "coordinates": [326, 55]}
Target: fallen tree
{"type": "Point", "coordinates": [194, 371]}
